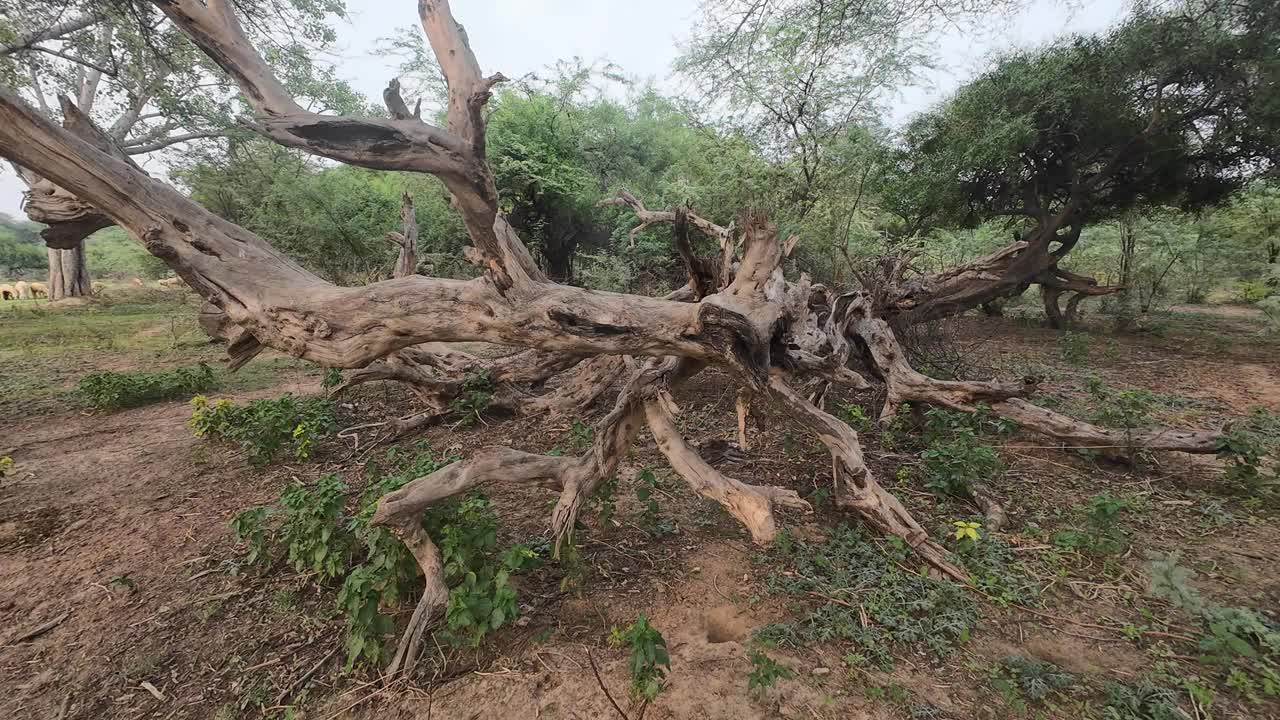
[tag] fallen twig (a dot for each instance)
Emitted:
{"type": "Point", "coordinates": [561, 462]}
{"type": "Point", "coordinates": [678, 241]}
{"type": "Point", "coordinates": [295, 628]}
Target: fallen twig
{"type": "Point", "coordinates": [600, 682]}
{"type": "Point", "coordinates": [302, 680]}
{"type": "Point", "coordinates": [39, 630]}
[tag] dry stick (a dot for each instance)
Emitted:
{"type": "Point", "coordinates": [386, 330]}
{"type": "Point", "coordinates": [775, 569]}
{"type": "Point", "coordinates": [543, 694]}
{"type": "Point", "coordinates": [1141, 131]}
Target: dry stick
{"type": "Point", "coordinates": [39, 630]}
{"type": "Point", "coordinates": [297, 684]}
{"type": "Point", "coordinates": [600, 682]}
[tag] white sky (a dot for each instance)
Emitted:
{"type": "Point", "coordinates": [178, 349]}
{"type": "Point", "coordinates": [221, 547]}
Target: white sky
{"type": "Point", "coordinates": [521, 36]}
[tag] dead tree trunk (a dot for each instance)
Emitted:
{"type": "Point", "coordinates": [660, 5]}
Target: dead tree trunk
{"type": "Point", "coordinates": [738, 311]}
{"type": "Point", "coordinates": [406, 240]}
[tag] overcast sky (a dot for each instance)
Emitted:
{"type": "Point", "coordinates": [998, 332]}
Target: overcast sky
{"type": "Point", "coordinates": [521, 36]}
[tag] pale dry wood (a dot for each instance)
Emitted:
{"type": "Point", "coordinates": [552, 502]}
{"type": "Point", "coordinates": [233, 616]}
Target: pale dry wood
{"type": "Point", "coordinates": [752, 505]}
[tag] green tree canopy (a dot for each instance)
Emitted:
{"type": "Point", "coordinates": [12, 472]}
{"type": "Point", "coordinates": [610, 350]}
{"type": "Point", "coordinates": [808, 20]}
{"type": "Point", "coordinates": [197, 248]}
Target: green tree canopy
{"type": "Point", "coordinates": [1177, 108]}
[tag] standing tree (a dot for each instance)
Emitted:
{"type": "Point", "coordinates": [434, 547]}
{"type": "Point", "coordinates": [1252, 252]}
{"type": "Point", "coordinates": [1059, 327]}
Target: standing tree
{"type": "Point", "coordinates": [799, 77]}
{"type": "Point", "coordinates": [122, 77]}
{"type": "Point", "coordinates": [1169, 109]}
{"type": "Point", "coordinates": [738, 312]}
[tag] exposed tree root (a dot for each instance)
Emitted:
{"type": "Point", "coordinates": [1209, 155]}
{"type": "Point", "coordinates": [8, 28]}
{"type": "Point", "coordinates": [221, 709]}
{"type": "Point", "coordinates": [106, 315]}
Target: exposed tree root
{"type": "Point", "coordinates": [751, 504]}
{"type": "Point", "coordinates": [855, 487]}
{"type": "Point", "coordinates": [906, 385]}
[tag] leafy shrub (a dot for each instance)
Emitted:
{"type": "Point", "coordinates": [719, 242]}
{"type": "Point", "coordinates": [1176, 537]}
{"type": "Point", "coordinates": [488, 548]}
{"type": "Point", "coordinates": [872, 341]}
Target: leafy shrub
{"type": "Point", "coordinates": [482, 598]}
{"type": "Point", "coordinates": [1243, 643]}
{"type": "Point", "coordinates": [1100, 532]}
{"type": "Point", "coordinates": [1243, 449]}
{"type": "Point", "coordinates": [954, 459]}
{"type": "Point", "coordinates": [651, 518]}
{"type": "Point", "coordinates": [901, 607]}
{"type": "Point", "coordinates": [648, 657]}
{"type": "Point", "coordinates": [1251, 291]}
{"type": "Point", "coordinates": [855, 416]}
{"type": "Point", "coordinates": [265, 427]}
{"type": "Point", "coordinates": [312, 531]}
{"type": "Point", "coordinates": [765, 672]}
{"type": "Point", "coordinates": [1126, 409]}
{"type": "Point", "coordinates": [475, 396]}
{"type": "Point", "coordinates": [1270, 308]}
{"type": "Point", "coordinates": [111, 390]}
{"type": "Point", "coordinates": [1074, 347]}
{"type": "Point", "coordinates": [310, 528]}
{"type": "Point", "coordinates": [249, 527]}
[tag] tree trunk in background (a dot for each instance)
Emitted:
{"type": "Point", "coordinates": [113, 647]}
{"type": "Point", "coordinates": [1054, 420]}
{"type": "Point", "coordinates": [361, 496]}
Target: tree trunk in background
{"type": "Point", "coordinates": [68, 274]}
{"type": "Point", "coordinates": [559, 252]}
{"type": "Point", "coordinates": [407, 239]}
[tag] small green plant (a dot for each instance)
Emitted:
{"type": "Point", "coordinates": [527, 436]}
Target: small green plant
{"type": "Point", "coordinates": [1243, 451]}
{"type": "Point", "coordinates": [967, 535]}
{"type": "Point", "coordinates": [1241, 642]}
{"type": "Point", "coordinates": [1100, 532]}
{"type": "Point", "coordinates": [1142, 701]}
{"type": "Point", "coordinates": [605, 502]}
{"type": "Point", "coordinates": [856, 416]}
{"type": "Point", "coordinates": [765, 672]}
{"type": "Point", "coordinates": [474, 397]}
{"type": "Point", "coordinates": [482, 598]}
{"type": "Point", "coordinates": [6, 466]}
{"type": "Point", "coordinates": [1021, 679]}
{"type": "Point", "coordinates": [123, 581]}
{"type": "Point", "coordinates": [1074, 347]}
{"type": "Point", "coordinates": [312, 531]}
{"type": "Point", "coordinates": [651, 518]}
{"type": "Point", "coordinates": [648, 657]}
{"type": "Point", "coordinates": [954, 459]}
{"type": "Point", "coordinates": [109, 390]}
{"type": "Point", "coordinates": [1124, 409]}
{"type": "Point", "coordinates": [580, 435]}
{"type": "Point", "coordinates": [1252, 291]}
{"type": "Point", "coordinates": [265, 427]}
{"type": "Point", "coordinates": [332, 378]}
{"type": "Point", "coordinates": [319, 540]}
{"type": "Point", "coordinates": [249, 526]}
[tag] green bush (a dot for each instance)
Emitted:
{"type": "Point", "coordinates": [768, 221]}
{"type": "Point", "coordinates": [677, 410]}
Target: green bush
{"type": "Point", "coordinates": [1270, 308]}
{"type": "Point", "coordinates": [954, 458]}
{"type": "Point", "coordinates": [265, 427]}
{"type": "Point", "coordinates": [111, 390]}
{"type": "Point", "coordinates": [648, 659]}
{"type": "Point", "coordinates": [1100, 532]}
{"type": "Point", "coordinates": [1251, 291]}
{"type": "Point", "coordinates": [311, 530]}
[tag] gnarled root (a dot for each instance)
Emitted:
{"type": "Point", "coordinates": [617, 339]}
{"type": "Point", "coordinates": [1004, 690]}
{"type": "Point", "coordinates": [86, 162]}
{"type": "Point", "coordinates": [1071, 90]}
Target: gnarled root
{"type": "Point", "coordinates": [750, 504]}
{"type": "Point", "coordinates": [1004, 399]}
{"type": "Point", "coordinates": [856, 488]}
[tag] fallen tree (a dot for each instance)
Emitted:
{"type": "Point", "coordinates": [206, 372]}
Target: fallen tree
{"type": "Point", "coordinates": [778, 338]}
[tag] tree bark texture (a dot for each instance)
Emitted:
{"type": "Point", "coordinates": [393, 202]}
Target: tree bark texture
{"type": "Point", "coordinates": [68, 274]}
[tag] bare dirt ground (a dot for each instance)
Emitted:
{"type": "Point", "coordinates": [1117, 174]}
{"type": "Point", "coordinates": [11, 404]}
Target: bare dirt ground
{"type": "Point", "coordinates": [114, 529]}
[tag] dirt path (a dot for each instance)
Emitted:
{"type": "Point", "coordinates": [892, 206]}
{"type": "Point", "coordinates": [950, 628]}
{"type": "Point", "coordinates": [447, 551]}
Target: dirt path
{"type": "Point", "coordinates": [107, 518]}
